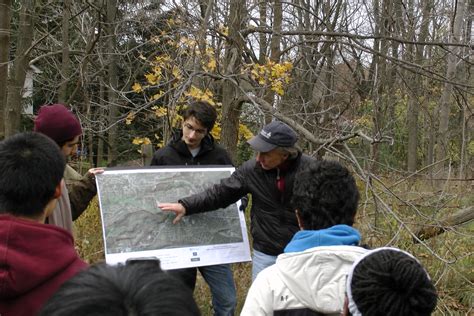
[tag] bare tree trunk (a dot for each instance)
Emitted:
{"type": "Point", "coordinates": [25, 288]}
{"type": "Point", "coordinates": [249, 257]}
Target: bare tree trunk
{"type": "Point", "coordinates": [100, 140]}
{"type": "Point", "coordinates": [378, 70]}
{"type": "Point", "coordinates": [206, 10]}
{"type": "Point", "coordinates": [5, 10]}
{"type": "Point", "coordinates": [62, 94]}
{"type": "Point", "coordinates": [262, 52]}
{"type": "Point", "coordinates": [20, 67]}
{"type": "Point", "coordinates": [112, 82]}
{"type": "Point", "coordinates": [442, 145]}
{"type": "Point", "coordinates": [274, 50]}
{"type": "Point", "coordinates": [232, 64]}
{"type": "Point", "coordinates": [414, 97]}
{"type": "Point", "coordinates": [467, 121]}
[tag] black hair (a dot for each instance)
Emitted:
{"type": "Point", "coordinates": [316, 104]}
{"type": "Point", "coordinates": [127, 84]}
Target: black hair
{"type": "Point", "coordinates": [31, 167]}
{"type": "Point", "coordinates": [205, 113]}
{"type": "Point", "coordinates": [325, 194]}
{"type": "Point", "coordinates": [61, 144]}
{"type": "Point", "coordinates": [140, 288]}
{"type": "Point", "coordinates": [390, 282]}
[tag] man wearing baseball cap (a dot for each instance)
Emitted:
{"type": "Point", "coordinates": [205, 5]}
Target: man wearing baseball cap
{"type": "Point", "coordinates": [63, 127]}
{"type": "Point", "coordinates": [269, 178]}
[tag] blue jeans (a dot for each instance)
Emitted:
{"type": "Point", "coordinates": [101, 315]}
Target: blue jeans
{"type": "Point", "coordinates": [221, 282]}
{"type": "Point", "coordinates": [260, 261]}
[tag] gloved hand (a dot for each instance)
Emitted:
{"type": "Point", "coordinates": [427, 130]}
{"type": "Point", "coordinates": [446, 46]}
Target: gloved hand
{"type": "Point", "coordinates": [244, 202]}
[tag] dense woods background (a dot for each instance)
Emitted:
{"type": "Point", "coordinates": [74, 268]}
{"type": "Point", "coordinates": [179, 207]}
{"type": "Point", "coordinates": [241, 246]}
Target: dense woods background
{"type": "Point", "coordinates": [384, 86]}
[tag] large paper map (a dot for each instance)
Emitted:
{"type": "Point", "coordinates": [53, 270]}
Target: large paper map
{"type": "Point", "coordinates": [135, 227]}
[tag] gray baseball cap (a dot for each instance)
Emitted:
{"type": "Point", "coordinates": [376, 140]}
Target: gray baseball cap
{"type": "Point", "coordinates": [275, 134]}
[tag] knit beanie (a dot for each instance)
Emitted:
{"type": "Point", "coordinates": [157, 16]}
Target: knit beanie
{"type": "Point", "coordinates": [58, 123]}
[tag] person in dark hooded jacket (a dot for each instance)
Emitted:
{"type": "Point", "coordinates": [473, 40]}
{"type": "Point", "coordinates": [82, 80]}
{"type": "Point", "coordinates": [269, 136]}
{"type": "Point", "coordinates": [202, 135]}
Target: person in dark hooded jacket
{"type": "Point", "coordinates": [194, 145]}
{"type": "Point", "coordinates": [35, 258]}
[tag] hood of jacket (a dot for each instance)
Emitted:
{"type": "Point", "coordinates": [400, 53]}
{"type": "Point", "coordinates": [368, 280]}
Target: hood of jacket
{"type": "Point", "coordinates": [332, 236]}
{"type": "Point", "coordinates": [316, 274]}
{"type": "Point", "coordinates": [32, 253]}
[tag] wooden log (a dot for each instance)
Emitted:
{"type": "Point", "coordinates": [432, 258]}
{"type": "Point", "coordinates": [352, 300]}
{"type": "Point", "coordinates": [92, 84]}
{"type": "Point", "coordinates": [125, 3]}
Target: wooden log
{"type": "Point", "coordinates": [458, 218]}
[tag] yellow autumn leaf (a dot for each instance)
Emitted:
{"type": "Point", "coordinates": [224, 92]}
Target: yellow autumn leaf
{"type": "Point", "coordinates": [245, 132]}
{"type": "Point", "coordinates": [176, 72]}
{"type": "Point", "coordinates": [158, 95]}
{"type": "Point", "coordinates": [151, 78]}
{"type": "Point", "coordinates": [277, 87]}
{"type": "Point", "coordinates": [288, 65]}
{"type": "Point", "coordinates": [146, 141]}
{"type": "Point", "coordinates": [130, 117]}
{"type": "Point", "coordinates": [200, 95]}
{"type": "Point", "coordinates": [140, 140]}
{"type": "Point", "coordinates": [162, 59]}
{"type": "Point", "coordinates": [137, 87]}
{"type": "Point", "coordinates": [211, 65]}
{"type": "Point", "coordinates": [160, 111]}
{"type": "Point", "coordinates": [136, 141]}
{"type": "Point", "coordinates": [175, 120]}
{"type": "Point", "coordinates": [216, 132]}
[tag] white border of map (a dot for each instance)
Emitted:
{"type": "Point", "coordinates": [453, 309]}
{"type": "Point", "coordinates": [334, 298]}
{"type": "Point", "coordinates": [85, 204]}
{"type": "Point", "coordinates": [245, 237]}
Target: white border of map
{"type": "Point", "coordinates": [177, 258]}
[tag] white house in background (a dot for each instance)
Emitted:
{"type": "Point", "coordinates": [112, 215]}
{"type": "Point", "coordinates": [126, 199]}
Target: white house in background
{"type": "Point", "coordinates": [28, 89]}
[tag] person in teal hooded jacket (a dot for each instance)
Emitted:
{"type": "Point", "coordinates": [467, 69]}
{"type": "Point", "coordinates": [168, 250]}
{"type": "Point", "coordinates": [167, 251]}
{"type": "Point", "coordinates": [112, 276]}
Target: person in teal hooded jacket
{"type": "Point", "coordinates": [309, 277]}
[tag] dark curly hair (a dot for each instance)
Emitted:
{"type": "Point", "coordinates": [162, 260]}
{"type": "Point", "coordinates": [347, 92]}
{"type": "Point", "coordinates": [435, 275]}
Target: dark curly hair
{"type": "Point", "coordinates": [325, 194]}
{"type": "Point", "coordinates": [388, 281]}
{"type": "Point", "coordinates": [139, 288]}
{"type": "Point", "coordinates": [205, 113]}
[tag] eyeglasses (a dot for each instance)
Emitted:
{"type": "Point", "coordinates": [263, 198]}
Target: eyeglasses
{"type": "Point", "coordinates": [201, 131]}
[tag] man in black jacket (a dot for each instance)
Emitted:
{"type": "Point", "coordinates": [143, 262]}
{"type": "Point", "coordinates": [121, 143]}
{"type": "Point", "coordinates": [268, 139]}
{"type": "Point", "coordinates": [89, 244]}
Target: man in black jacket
{"type": "Point", "coordinates": [194, 145]}
{"type": "Point", "coordinates": [269, 178]}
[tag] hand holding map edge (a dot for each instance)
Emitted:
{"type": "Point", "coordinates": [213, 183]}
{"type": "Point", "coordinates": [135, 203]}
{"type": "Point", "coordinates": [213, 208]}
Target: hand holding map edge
{"type": "Point", "coordinates": [177, 208]}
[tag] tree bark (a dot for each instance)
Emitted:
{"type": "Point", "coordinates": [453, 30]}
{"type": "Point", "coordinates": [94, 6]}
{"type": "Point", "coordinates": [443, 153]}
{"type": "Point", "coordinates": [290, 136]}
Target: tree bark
{"type": "Point", "coordinates": [467, 120]}
{"type": "Point", "coordinates": [442, 145]}
{"type": "Point", "coordinates": [5, 10]}
{"type": "Point", "coordinates": [414, 97]}
{"type": "Point", "coordinates": [112, 82]}
{"type": "Point", "coordinates": [262, 9]}
{"type": "Point", "coordinates": [232, 66]}
{"type": "Point", "coordinates": [274, 50]}
{"type": "Point", "coordinates": [14, 108]}
{"type": "Point", "coordinates": [62, 94]}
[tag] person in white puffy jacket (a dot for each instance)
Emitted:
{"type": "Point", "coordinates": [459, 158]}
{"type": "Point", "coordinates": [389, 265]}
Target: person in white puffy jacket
{"type": "Point", "coordinates": [309, 277]}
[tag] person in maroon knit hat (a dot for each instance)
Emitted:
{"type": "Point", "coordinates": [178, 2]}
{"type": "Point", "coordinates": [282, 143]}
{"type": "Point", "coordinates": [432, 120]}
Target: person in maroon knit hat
{"type": "Point", "coordinates": [35, 259]}
{"type": "Point", "coordinates": [62, 126]}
